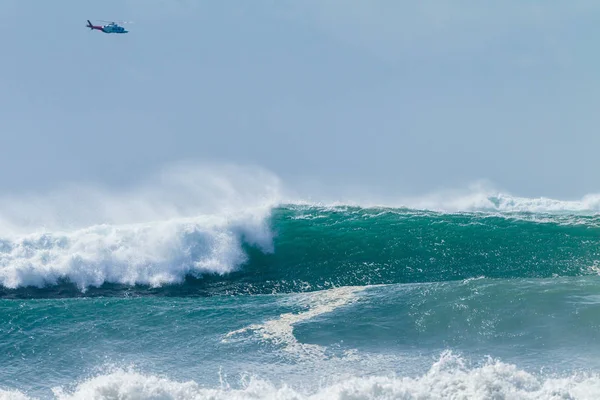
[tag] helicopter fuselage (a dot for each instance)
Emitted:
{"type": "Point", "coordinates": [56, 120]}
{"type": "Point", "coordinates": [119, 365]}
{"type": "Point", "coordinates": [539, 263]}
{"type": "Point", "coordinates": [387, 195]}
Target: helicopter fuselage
{"type": "Point", "coordinates": [113, 28]}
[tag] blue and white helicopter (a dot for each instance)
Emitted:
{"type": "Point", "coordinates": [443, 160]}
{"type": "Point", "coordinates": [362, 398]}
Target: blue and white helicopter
{"type": "Point", "coordinates": [111, 27]}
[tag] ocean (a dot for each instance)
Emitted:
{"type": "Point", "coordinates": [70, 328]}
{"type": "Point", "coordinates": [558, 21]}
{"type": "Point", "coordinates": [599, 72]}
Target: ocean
{"type": "Point", "coordinates": [308, 301]}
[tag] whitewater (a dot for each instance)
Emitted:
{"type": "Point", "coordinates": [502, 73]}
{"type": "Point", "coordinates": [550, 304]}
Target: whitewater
{"type": "Point", "coordinates": [218, 281]}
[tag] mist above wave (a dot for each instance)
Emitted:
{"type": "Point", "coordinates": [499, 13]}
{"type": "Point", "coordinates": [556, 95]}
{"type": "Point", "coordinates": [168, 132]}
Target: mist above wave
{"type": "Point", "coordinates": [181, 190]}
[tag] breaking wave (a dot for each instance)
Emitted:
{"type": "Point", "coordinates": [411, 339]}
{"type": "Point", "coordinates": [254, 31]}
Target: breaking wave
{"type": "Point", "coordinates": [211, 227]}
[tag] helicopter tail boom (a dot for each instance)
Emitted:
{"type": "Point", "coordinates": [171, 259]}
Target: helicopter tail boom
{"type": "Point", "coordinates": [92, 27]}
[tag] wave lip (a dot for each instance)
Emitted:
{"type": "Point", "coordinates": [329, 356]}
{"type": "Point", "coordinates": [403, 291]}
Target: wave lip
{"type": "Point", "coordinates": [589, 203]}
{"type": "Point", "coordinates": [483, 200]}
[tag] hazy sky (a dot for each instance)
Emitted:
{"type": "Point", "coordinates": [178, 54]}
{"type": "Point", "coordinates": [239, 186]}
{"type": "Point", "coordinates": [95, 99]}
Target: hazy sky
{"type": "Point", "coordinates": [403, 96]}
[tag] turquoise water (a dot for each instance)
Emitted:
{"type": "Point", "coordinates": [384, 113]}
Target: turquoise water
{"type": "Point", "coordinates": [306, 302]}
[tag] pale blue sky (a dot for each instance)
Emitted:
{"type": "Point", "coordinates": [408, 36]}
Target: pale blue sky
{"type": "Point", "coordinates": [404, 96]}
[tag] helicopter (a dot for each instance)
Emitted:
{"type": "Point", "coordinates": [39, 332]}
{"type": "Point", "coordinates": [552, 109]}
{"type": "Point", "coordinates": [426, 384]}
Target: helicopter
{"type": "Point", "coordinates": [111, 27]}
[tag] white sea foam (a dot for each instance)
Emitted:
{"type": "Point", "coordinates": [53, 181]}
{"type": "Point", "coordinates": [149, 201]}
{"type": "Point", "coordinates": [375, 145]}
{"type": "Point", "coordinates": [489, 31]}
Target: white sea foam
{"type": "Point", "coordinates": [448, 378]}
{"type": "Point", "coordinates": [12, 395]}
{"type": "Point", "coordinates": [151, 253]}
{"type": "Point", "coordinates": [188, 220]}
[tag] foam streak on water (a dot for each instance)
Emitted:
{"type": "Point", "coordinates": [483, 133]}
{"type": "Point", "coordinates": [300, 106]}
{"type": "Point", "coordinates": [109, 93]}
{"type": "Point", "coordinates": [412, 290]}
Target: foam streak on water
{"type": "Point", "coordinates": [280, 331]}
